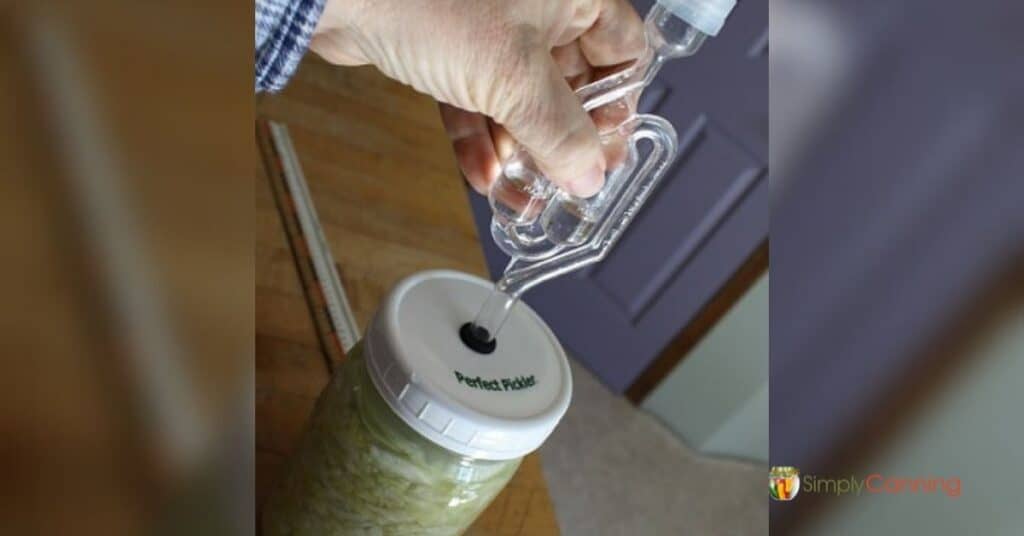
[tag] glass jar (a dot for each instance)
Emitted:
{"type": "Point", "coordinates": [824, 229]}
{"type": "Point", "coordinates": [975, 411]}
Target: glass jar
{"type": "Point", "coordinates": [361, 469]}
{"type": "Point", "coordinates": [416, 433]}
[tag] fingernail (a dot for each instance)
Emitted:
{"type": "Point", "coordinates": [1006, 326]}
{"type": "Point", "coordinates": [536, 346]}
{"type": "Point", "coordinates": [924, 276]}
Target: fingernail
{"type": "Point", "coordinates": [588, 184]}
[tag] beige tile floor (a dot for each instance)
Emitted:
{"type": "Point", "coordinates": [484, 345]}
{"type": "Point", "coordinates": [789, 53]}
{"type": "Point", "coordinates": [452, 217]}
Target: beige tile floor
{"type": "Point", "coordinates": [613, 469]}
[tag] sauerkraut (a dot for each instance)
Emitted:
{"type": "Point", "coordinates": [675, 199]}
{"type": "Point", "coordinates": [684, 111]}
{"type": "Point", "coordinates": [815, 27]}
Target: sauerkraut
{"type": "Point", "coordinates": [361, 470]}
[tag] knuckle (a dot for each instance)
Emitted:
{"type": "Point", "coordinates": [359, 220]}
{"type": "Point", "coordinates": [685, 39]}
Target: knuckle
{"type": "Point", "coordinates": [513, 94]}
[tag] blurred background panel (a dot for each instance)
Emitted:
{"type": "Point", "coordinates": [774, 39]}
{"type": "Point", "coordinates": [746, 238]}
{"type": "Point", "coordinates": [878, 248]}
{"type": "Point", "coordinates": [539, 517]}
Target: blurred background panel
{"type": "Point", "coordinates": [127, 272]}
{"type": "Point", "coordinates": [960, 418]}
{"type": "Point", "coordinates": [897, 199]}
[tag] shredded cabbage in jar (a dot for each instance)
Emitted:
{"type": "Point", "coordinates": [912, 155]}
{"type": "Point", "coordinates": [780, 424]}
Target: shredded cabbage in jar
{"type": "Point", "coordinates": [361, 470]}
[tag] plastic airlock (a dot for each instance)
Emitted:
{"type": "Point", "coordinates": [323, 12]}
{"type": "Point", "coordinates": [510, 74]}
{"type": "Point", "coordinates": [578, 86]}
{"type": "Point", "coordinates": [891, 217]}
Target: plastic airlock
{"type": "Point", "coordinates": [548, 232]}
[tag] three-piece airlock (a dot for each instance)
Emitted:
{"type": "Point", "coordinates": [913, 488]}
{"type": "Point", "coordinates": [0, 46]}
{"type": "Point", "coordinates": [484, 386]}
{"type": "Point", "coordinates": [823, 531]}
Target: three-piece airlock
{"type": "Point", "coordinates": [548, 232]}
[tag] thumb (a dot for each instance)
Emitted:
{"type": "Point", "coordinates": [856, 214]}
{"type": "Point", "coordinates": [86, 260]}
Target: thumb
{"type": "Point", "coordinates": [540, 110]}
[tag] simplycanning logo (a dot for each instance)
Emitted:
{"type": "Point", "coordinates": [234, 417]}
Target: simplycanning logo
{"type": "Point", "coordinates": [784, 483]}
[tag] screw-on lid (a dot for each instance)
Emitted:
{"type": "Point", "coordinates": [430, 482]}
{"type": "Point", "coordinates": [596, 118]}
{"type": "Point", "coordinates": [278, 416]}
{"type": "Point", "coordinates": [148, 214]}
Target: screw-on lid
{"type": "Point", "coordinates": [707, 16]}
{"type": "Point", "coordinates": [495, 406]}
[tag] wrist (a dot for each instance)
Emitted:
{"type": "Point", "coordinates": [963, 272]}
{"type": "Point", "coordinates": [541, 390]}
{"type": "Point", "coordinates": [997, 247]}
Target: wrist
{"type": "Point", "coordinates": [336, 35]}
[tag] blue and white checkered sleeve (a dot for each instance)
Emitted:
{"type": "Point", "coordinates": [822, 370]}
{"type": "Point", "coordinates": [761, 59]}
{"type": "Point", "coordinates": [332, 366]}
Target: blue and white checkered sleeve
{"type": "Point", "coordinates": [283, 30]}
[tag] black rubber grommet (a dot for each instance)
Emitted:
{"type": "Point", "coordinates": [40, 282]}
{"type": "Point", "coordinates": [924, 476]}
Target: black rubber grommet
{"type": "Point", "coordinates": [477, 338]}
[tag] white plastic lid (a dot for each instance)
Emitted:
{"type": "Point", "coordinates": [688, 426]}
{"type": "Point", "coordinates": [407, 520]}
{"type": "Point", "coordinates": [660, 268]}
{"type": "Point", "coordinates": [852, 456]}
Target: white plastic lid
{"type": "Point", "coordinates": [497, 406]}
{"type": "Point", "coordinates": [707, 16]}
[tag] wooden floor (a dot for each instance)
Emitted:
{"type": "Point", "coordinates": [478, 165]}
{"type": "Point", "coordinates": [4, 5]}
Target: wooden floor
{"type": "Point", "coordinates": [391, 202]}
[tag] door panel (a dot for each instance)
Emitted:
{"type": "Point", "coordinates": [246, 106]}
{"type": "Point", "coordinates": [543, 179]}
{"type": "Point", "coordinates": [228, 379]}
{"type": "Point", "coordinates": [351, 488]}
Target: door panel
{"type": "Point", "coordinates": [706, 218]}
{"type": "Point", "coordinates": [710, 179]}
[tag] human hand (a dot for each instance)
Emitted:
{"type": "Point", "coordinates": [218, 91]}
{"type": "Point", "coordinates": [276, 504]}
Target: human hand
{"type": "Point", "coordinates": [503, 71]}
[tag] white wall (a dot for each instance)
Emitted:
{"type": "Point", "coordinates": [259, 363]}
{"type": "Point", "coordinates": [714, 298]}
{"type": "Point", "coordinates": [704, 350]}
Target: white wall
{"type": "Point", "coordinates": [716, 399]}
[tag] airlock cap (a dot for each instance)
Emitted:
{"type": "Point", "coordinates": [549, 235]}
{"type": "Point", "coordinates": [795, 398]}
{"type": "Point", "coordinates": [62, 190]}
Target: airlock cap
{"type": "Point", "coordinates": [708, 16]}
{"type": "Point", "coordinates": [496, 406]}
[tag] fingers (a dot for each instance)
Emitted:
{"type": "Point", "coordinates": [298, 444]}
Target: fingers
{"type": "Point", "coordinates": [535, 104]}
{"type": "Point", "coordinates": [573, 64]}
{"type": "Point", "coordinates": [613, 114]}
{"type": "Point", "coordinates": [474, 148]}
{"type": "Point", "coordinates": [616, 36]}
{"type": "Point", "coordinates": [541, 111]}
{"type": "Point", "coordinates": [578, 72]}
{"type": "Point", "coordinates": [504, 143]}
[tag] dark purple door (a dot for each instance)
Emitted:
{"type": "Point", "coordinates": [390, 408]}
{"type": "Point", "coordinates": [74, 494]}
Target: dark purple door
{"type": "Point", "coordinates": [706, 218]}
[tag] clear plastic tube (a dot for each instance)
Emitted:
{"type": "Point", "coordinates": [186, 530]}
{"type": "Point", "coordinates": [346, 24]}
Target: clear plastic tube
{"type": "Point", "coordinates": [522, 274]}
